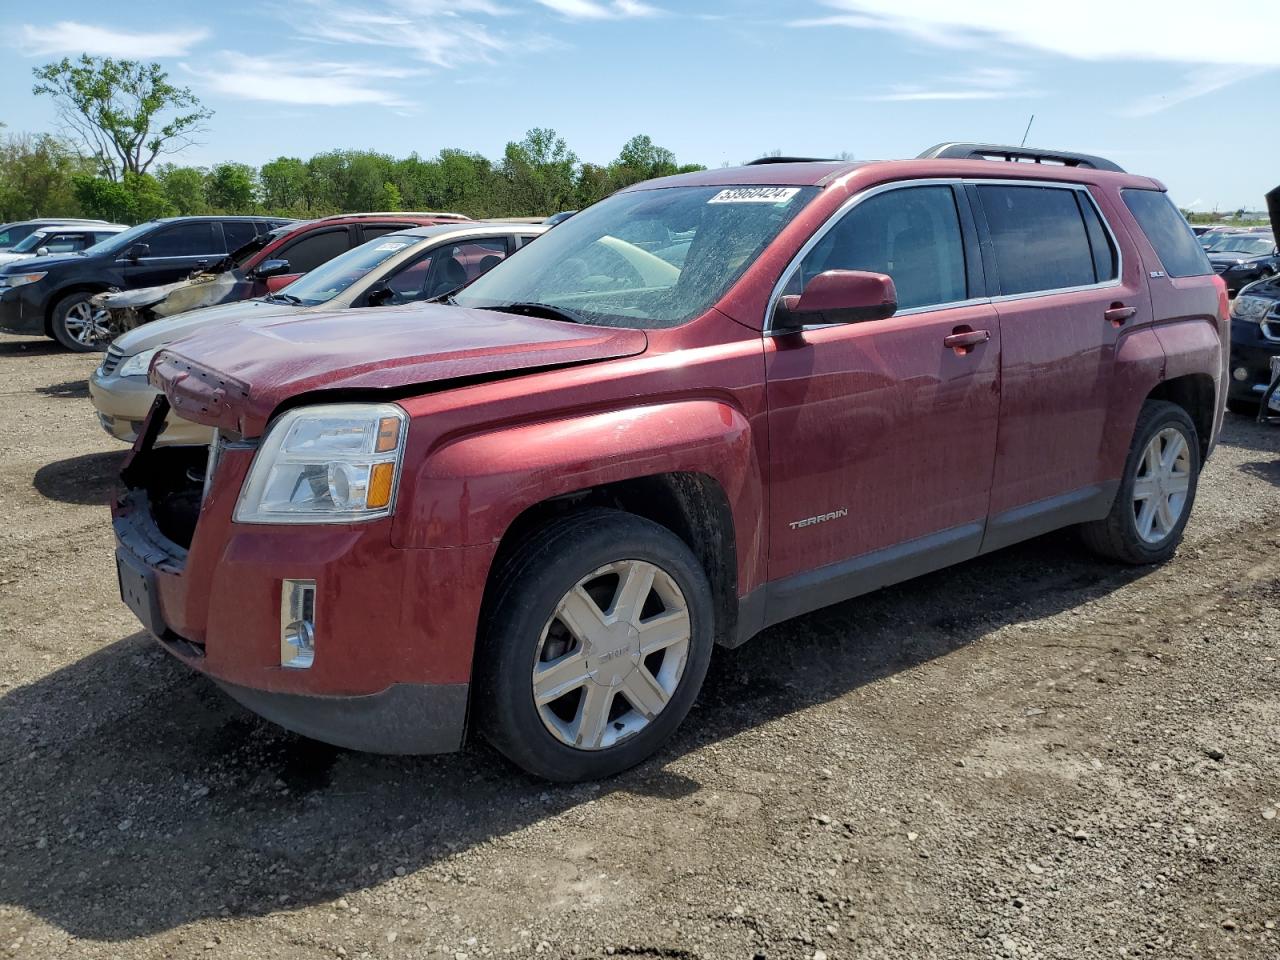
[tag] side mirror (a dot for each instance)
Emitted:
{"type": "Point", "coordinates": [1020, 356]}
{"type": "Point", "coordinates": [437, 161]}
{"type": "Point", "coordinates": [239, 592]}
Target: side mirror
{"type": "Point", "coordinates": [838, 296]}
{"type": "Point", "coordinates": [138, 251]}
{"type": "Point", "coordinates": [271, 268]}
{"type": "Point", "coordinates": [379, 296]}
{"type": "Point", "coordinates": [42, 251]}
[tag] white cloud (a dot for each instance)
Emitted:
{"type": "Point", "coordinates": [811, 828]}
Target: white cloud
{"type": "Point", "coordinates": [443, 33]}
{"type": "Point", "coordinates": [281, 80]}
{"type": "Point", "coordinates": [600, 9]}
{"type": "Point", "coordinates": [70, 36]}
{"type": "Point", "coordinates": [1088, 30]}
{"type": "Point", "coordinates": [983, 83]}
{"type": "Point", "coordinates": [1198, 83]}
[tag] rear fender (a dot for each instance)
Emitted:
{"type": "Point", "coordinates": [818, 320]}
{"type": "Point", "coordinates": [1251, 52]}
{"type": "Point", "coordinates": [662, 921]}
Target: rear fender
{"type": "Point", "coordinates": [1139, 368]}
{"type": "Point", "coordinates": [469, 490]}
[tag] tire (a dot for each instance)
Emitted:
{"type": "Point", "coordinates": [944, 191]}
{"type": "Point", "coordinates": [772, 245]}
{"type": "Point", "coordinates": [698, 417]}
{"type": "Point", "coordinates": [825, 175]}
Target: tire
{"type": "Point", "coordinates": [1122, 535]}
{"type": "Point", "coordinates": [63, 326]}
{"type": "Point", "coordinates": [592, 555]}
{"type": "Point", "coordinates": [1242, 408]}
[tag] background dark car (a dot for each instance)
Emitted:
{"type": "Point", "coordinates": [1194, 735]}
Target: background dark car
{"type": "Point", "coordinates": [1255, 333]}
{"type": "Point", "coordinates": [50, 295]}
{"type": "Point", "coordinates": [267, 263]}
{"type": "Point", "coordinates": [1242, 258]}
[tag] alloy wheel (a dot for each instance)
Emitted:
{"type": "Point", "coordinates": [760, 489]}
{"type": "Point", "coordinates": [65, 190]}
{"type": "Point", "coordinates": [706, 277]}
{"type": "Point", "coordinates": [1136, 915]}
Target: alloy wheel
{"type": "Point", "coordinates": [1161, 485]}
{"type": "Point", "coordinates": [612, 655]}
{"type": "Point", "coordinates": [86, 324]}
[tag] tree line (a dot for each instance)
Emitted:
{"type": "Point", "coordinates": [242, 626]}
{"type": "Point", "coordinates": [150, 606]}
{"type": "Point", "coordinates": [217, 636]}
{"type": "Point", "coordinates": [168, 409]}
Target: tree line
{"type": "Point", "coordinates": [44, 175]}
{"type": "Point", "coordinates": [123, 121]}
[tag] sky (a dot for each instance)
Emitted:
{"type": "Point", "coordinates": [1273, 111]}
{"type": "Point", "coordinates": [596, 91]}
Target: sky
{"type": "Point", "coordinates": [1184, 92]}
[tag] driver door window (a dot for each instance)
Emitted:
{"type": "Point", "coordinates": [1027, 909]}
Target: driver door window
{"type": "Point", "coordinates": [409, 284]}
{"type": "Point", "coordinates": [912, 234]}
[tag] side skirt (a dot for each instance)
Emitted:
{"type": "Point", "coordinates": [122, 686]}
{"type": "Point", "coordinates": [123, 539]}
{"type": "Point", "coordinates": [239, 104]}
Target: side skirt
{"type": "Point", "coordinates": [804, 592]}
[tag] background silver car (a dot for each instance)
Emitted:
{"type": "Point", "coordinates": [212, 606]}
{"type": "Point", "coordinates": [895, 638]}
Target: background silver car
{"type": "Point", "coordinates": [418, 263]}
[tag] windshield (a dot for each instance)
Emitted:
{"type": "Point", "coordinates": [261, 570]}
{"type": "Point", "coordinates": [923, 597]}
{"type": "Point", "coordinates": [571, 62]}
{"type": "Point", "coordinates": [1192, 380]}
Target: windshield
{"type": "Point", "coordinates": [1255, 245]}
{"type": "Point", "coordinates": [122, 241]}
{"type": "Point", "coordinates": [651, 258]}
{"type": "Point", "coordinates": [31, 243]}
{"type": "Point", "coordinates": [329, 279]}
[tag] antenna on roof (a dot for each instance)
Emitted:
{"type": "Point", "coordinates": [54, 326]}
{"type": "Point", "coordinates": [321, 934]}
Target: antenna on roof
{"type": "Point", "coordinates": [1027, 131]}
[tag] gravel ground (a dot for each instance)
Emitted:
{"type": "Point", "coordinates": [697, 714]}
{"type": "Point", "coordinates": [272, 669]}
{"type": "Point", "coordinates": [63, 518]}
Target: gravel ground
{"type": "Point", "coordinates": [1032, 755]}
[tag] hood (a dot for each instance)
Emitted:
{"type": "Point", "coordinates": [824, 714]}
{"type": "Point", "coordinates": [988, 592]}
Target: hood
{"type": "Point", "coordinates": [202, 290]}
{"type": "Point", "coordinates": [158, 333]}
{"type": "Point", "coordinates": [234, 376]}
{"type": "Point", "coordinates": [1227, 256]}
{"type": "Point", "coordinates": [44, 263]}
{"type": "Point", "coordinates": [8, 257]}
{"type": "Point", "coordinates": [1268, 289]}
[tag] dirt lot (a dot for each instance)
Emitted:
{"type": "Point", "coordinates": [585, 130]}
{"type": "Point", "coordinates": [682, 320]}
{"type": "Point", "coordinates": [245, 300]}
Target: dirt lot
{"type": "Point", "coordinates": [1033, 755]}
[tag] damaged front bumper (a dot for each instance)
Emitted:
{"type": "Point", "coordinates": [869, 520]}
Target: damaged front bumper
{"type": "Point", "coordinates": [387, 676]}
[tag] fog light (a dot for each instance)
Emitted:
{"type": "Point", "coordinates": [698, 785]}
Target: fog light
{"type": "Point", "coordinates": [1240, 373]}
{"type": "Point", "coordinates": [297, 623]}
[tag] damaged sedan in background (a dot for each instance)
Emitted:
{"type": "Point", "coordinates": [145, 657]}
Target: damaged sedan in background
{"type": "Point", "coordinates": [262, 265]}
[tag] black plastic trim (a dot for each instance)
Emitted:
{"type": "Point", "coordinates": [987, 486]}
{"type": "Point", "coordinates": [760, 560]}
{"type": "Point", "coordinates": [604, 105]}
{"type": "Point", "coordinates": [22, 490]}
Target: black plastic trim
{"type": "Point", "coordinates": [1033, 519]}
{"type": "Point", "coordinates": [406, 718]}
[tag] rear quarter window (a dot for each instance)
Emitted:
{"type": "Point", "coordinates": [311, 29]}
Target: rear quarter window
{"type": "Point", "coordinates": [1179, 251]}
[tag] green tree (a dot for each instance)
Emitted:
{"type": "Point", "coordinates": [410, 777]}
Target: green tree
{"type": "Point", "coordinates": [231, 187]}
{"type": "Point", "coordinates": [539, 174]}
{"type": "Point", "coordinates": [284, 184]}
{"type": "Point", "coordinates": [184, 187]}
{"type": "Point", "coordinates": [126, 112]}
{"type": "Point", "coordinates": [134, 198]}
{"type": "Point", "coordinates": [37, 177]}
{"type": "Point", "coordinates": [391, 197]}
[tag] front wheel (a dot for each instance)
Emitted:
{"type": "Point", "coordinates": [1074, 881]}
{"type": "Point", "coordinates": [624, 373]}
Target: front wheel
{"type": "Point", "coordinates": [1157, 491]}
{"type": "Point", "coordinates": [80, 326]}
{"type": "Point", "coordinates": [595, 648]}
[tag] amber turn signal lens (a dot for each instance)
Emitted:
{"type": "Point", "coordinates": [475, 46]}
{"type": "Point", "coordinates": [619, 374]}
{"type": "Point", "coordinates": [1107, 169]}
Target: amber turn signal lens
{"type": "Point", "coordinates": [388, 434]}
{"type": "Point", "coordinates": [380, 485]}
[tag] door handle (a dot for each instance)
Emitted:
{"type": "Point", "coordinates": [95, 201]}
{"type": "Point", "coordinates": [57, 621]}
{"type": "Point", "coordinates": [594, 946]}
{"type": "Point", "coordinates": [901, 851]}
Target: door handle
{"type": "Point", "coordinates": [962, 339]}
{"type": "Point", "coordinates": [1118, 313]}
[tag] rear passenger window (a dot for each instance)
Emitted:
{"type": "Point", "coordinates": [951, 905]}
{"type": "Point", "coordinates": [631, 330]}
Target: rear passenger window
{"type": "Point", "coordinates": [1039, 238]}
{"type": "Point", "coordinates": [237, 233]}
{"type": "Point", "coordinates": [314, 249]}
{"type": "Point", "coordinates": [192, 239]}
{"type": "Point", "coordinates": [1180, 253]}
{"type": "Point", "coordinates": [912, 234]}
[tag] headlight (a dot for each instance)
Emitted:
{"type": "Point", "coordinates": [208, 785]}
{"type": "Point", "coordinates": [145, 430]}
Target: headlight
{"type": "Point", "coordinates": [1251, 308]}
{"type": "Point", "coordinates": [1241, 265]}
{"type": "Point", "coordinates": [20, 279]}
{"type": "Point", "coordinates": [332, 463]}
{"type": "Point", "coordinates": [138, 364]}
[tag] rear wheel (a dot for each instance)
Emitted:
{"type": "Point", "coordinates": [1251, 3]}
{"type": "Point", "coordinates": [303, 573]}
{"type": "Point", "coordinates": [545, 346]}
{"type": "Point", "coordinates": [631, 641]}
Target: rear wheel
{"type": "Point", "coordinates": [79, 325]}
{"type": "Point", "coordinates": [1157, 491]}
{"type": "Point", "coordinates": [596, 647]}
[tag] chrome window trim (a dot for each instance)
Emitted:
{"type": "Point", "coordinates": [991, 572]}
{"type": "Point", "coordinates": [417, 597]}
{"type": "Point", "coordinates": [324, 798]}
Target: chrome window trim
{"type": "Point", "coordinates": [859, 197]}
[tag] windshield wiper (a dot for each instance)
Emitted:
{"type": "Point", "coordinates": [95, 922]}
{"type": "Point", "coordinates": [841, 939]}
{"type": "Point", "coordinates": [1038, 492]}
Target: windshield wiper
{"type": "Point", "coordinates": [283, 298]}
{"type": "Point", "coordinates": [533, 309]}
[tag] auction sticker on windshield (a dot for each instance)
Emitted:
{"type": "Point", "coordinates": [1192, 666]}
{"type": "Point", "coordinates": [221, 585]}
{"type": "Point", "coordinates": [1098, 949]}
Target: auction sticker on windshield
{"type": "Point", "coordinates": [390, 246]}
{"type": "Point", "coordinates": [755, 195]}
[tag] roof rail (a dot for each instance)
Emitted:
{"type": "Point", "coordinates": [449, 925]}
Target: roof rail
{"type": "Point", "coordinates": [995, 151]}
{"type": "Point", "coordinates": [763, 160]}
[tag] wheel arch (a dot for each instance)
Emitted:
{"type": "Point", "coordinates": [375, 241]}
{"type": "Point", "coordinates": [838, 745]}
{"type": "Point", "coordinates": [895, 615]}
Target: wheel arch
{"type": "Point", "coordinates": [1196, 393]}
{"type": "Point", "coordinates": [692, 505]}
{"type": "Point", "coordinates": [83, 286]}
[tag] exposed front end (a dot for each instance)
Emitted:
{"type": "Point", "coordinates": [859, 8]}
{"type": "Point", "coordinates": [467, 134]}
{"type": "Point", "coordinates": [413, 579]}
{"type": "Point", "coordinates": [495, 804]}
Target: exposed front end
{"type": "Point", "coordinates": [322, 627]}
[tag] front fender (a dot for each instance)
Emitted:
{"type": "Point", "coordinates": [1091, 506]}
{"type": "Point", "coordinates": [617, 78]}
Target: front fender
{"type": "Point", "coordinates": [469, 490]}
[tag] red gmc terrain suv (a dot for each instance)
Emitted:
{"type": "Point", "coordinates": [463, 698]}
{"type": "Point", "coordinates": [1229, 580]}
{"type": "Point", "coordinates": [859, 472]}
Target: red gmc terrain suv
{"type": "Point", "coordinates": [704, 405]}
